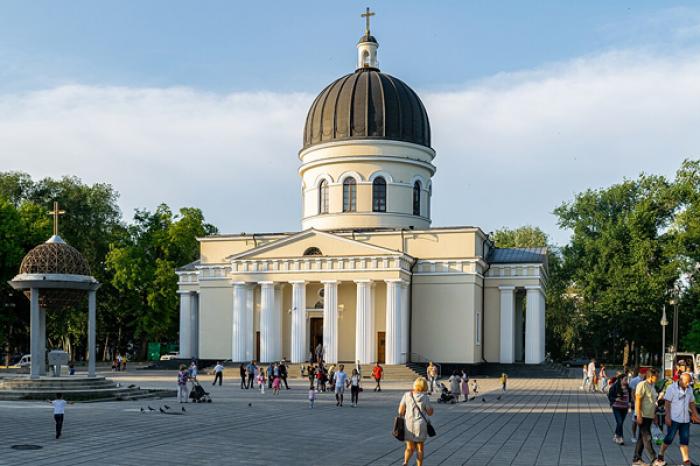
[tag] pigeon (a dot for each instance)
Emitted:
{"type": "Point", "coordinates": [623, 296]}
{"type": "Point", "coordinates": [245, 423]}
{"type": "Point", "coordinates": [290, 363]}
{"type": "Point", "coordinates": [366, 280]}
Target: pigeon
{"type": "Point", "coordinates": [250, 404]}
{"type": "Point", "coordinates": [483, 400]}
{"type": "Point", "coordinates": [132, 386]}
{"type": "Point", "coordinates": [161, 410]}
{"type": "Point", "coordinates": [498, 397]}
{"type": "Point", "coordinates": [166, 406]}
{"type": "Point", "coordinates": [183, 409]}
{"type": "Point", "coordinates": [143, 410]}
{"type": "Point", "coordinates": [150, 409]}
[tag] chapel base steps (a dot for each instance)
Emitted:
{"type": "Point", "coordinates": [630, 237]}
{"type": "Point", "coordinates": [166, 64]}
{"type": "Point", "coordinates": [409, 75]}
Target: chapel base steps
{"type": "Point", "coordinates": [544, 370]}
{"type": "Point", "coordinates": [75, 389]}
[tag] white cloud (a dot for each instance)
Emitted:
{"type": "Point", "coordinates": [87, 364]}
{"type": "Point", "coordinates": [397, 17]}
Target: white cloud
{"type": "Point", "coordinates": [510, 148]}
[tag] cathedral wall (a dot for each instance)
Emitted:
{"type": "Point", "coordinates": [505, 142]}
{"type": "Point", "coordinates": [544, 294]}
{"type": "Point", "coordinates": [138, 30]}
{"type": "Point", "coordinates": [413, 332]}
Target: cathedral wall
{"type": "Point", "coordinates": [215, 320]}
{"type": "Point", "coordinates": [492, 324]}
{"type": "Point", "coordinates": [443, 318]}
{"type": "Point", "coordinates": [428, 244]}
{"type": "Point", "coordinates": [347, 296]}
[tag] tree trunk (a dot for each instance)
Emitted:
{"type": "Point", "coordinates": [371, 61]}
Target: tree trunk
{"type": "Point", "coordinates": [144, 348]}
{"type": "Point", "coordinates": [104, 351]}
{"type": "Point", "coordinates": [626, 354]}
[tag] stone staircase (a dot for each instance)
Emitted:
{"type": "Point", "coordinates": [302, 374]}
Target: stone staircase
{"type": "Point", "coordinates": [74, 388]}
{"type": "Point", "coordinates": [521, 370]}
{"type": "Point", "coordinates": [392, 373]}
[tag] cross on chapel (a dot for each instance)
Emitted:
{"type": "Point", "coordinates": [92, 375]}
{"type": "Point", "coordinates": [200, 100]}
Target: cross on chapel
{"type": "Point", "coordinates": [56, 212]}
{"type": "Point", "coordinates": [367, 15]}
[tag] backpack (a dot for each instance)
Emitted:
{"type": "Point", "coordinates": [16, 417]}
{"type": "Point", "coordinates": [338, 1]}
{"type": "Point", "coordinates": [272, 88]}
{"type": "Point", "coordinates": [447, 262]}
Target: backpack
{"type": "Point", "coordinates": [612, 392]}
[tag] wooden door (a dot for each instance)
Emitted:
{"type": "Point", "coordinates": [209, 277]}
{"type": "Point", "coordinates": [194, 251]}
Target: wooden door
{"type": "Point", "coordinates": [315, 333]}
{"type": "Point", "coordinates": [257, 346]}
{"type": "Point", "coordinates": [381, 347]}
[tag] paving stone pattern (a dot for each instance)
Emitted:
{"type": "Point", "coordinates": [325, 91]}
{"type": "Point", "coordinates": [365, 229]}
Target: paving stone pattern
{"type": "Point", "coordinates": [537, 422]}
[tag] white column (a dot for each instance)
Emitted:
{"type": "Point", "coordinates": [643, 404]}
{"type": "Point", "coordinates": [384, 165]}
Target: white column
{"type": "Point", "coordinates": [34, 332]}
{"type": "Point", "coordinates": [405, 331]}
{"type": "Point", "coordinates": [330, 321]}
{"type": "Point", "coordinates": [250, 323]}
{"type": "Point", "coordinates": [194, 325]}
{"type": "Point", "coordinates": [238, 337]}
{"type": "Point", "coordinates": [393, 321]}
{"type": "Point", "coordinates": [298, 321]}
{"type": "Point", "coordinates": [92, 331]}
{"type": "Point", "coordinates": [507, 355]}
{"type": "Point", "coordinates": [185, 322]}
{"type": "Point", "coordinates": [534, 325]}
{"type": "Point", "coordinates": [277, 324]}
{"type": "Point", "coordinates": [42, 341]}
{"type": "Point", "coordinates": [364, 322]}
{"type": "Point", "coordinates": [267, 314]}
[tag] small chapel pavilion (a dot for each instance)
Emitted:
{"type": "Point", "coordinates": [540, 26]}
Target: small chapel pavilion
{"type": "Point", "coordinates": [368, 277]}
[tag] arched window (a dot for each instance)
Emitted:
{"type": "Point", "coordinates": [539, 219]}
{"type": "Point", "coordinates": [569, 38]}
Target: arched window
{"type": "Point", "coordinates": [416, 198]}
{"type": "Point", "coordinates": [323, 197]}
{"type": "Point", "coordinates": [379, 195]}
{"type": "Point", "coordinates": [313, 251]}
{"type": "Point", "coordinates": [349, 195]}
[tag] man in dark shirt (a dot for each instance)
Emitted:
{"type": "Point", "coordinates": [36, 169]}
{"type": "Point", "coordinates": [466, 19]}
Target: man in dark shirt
{"type": "Point", "coordinates": [242, 370]}
{"type": "Point", "coordinates": [283, 372]}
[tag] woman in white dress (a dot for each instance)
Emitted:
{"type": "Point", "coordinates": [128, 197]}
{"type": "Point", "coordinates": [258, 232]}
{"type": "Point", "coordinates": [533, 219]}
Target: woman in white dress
{"type": "Point", "coordinates": [412, 405]}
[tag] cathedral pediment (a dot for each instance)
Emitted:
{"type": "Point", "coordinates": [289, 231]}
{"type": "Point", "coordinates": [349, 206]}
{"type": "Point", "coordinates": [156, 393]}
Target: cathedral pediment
{"type": "Point", "coordinates": [314, 243]}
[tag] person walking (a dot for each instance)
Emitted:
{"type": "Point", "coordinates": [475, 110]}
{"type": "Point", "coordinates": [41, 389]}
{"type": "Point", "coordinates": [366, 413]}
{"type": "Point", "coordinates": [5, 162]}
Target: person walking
{"type": "Point", "coordinates": [261, 381]}
{"type": "Point", "coordinates": [620, 399]}
{"type": "Point", "coordinates": [680, 411]}
{"type": "Point", "coordinates": [182, 378]}
{"type": "Point", "coordinates": [218, 373]}
{"type": "Point", "coordinates": [284, 372]}
{"type": "Point", "coordinates": [354, 388]}
{"type": "Point", "coordinates": [645, 407]}
{"type": "Point", "coordinates": [591, 375]}
{"type": "Point", "coordinates": [312, 397]}
{"type": "Point", "coordinates": [270, 374]}
{"type": "Point", "coordinates": [250, 370]}
{"type": "Point", "coordinates": [276, 384]}
{"type": "Point", "coordinates": [503, 380]}
{"type": "Point", "coordinates": [432, 374]}
{"type": "Point", "coordinates": [340, 379]}
{"type": "Point", "coordinates": [414, 408]}
{"type": "Point", "coordinates": [634, 381]}
{"type": "Point", "coordinates": [242, 371]}
{"type": "Point", "coordinates": [455, 381]}
{"type": "Point", "coordinates": [584, 380]}
{"type": "Point", "coordinates": [464, 385]}
{"type": "Point", "coordinates": [319, 353]}
{"type": "Point", "coordinates": [59, 406]}
{"type": "Point", "coordinates": [603, 378]}
{"type": "Point", "coordinates": [377, 373]}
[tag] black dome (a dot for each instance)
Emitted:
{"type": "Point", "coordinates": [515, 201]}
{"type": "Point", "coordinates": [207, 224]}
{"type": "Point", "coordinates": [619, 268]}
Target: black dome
{"type": "Point", "coordinates": [367, 104]}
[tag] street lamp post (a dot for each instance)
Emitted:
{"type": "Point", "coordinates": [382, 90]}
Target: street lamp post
{"type": "Point", "coordinates": [674, 302]}
{"type": "Point", "coordinates": [664, 323]}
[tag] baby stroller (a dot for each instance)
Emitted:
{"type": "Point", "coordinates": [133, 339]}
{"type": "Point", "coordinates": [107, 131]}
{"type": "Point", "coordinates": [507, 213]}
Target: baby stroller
{"type": "Point", "coordinates": [198, 395]}
{"type": "Point", "coordinates": [445, 395]}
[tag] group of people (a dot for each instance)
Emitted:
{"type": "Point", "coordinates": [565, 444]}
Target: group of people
{"type": "Point", "coordinates": [594, 380]}
{"type": "Point", "coordinates": [654, 402]}
{"type": "Point", "coordinates": [273, 376]}
{"type": "Point", "coordinates": [188, 375]}
{"type": "Point", "coordinates": [119, 363]}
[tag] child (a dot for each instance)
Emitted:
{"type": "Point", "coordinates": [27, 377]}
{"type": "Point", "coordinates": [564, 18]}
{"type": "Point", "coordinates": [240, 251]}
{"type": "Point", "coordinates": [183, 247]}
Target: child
{"type": "Point", "coordinates": [455, 381]}
{"type": "Point", "coordinates": [504, 381]}
{"type": "Point", "coordinates": [182, 378]}
{"type": "Point", "coordinates": [261, 381]}
{"type": "Point", "coordinates": [59, 405]}
{"type": "Point", "coordinates": [475, 388]}
{"type": "Point", "coordinates": [312, 396]}
{"type": "Point", "coordinates": [276, 382]}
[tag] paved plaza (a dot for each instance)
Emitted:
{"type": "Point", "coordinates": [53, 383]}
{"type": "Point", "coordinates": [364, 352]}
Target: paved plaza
{"type": "Point", "coordinates": [537, 422]}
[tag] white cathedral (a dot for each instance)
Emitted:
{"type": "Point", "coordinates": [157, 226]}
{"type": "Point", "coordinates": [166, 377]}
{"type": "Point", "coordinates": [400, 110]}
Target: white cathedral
{"type": "Point", "coordinates": [367, 276]}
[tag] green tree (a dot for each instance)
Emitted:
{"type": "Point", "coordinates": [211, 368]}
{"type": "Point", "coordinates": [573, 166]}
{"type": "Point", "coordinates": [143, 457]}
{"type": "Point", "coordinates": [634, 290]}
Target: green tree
{"type": "Point", "coordinates": [522, 237]}
{"type": "Point", "coordinates": [143, 263]}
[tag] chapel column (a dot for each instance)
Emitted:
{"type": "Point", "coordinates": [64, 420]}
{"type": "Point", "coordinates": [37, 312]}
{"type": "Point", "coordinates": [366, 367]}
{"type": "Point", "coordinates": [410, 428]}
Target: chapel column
{"type": "Point", "coordinates": [330, 321]}
{"type": "Point", "coordinates": [393, 321]}
{"type": "Point", "coordinates": [194, 324]}
{"type": "Point", "coordinates": [277, 324]}
{"type": "Point", "coordinates": [507, 354]}
{"type": "Point", "coordinates": [238, 336]}
{"type": "Point", "coordinates": [34, 333]}
{"type": "Point", "coordinates": [185, 322]}
{"type": "Point", "coordinates": [534, 325]}
{"type": "Point", "coordinates": [250, 323]}
{"type": "Point", "coordinates": [364, 325]}
{"type": "Point", "coordinates": [92, 331]}
{"type": "Point", "coordinates": [267, 324]}
{"type": "Point", "coordinates": [298, 321]}
{"type": "Point", "coordinates": [42, 341]}
{"type": "Point", "coordinates": [405, 323]}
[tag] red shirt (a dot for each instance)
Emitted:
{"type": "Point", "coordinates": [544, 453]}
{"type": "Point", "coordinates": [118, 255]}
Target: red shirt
{"type": "Point", "coordinates": [377, 372]}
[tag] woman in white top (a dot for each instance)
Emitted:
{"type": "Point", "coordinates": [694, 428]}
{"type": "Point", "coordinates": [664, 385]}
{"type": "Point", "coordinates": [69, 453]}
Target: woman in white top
{"type": "Point", "coordinates": [354, 383]}
{"type": "Point", "coordinates": [414, 408]}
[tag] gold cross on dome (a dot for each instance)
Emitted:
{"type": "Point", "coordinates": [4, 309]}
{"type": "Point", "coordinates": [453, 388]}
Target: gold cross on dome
{"type": "Point", "coordinates": [367, 15]}
{"type": "Point", "coordinates": [56, 212]}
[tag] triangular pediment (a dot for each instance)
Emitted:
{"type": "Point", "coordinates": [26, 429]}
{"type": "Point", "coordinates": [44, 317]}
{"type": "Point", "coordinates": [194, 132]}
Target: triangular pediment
{"type": "Point", "coordinates": [328, 244]}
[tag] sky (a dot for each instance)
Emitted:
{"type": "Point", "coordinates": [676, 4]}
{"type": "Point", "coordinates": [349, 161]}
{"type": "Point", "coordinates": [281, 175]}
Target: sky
{"type": "Point", "coordinates": [203, 103]}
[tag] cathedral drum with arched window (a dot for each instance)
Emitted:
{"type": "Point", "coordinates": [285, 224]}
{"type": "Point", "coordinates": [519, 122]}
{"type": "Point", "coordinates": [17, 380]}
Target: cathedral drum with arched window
{"type": "Point", "coordinates": [366, 159]}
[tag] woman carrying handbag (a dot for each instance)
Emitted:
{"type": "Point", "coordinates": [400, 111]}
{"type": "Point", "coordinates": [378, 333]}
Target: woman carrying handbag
{"type": "Point", "coordinates": [414, 409]}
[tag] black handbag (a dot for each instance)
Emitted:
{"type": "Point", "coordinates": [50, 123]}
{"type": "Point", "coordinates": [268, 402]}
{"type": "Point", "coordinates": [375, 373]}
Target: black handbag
{"type": "Point", "coordinates": [431, 429]}
{"type": "Point", "coordinates": [399, 429]}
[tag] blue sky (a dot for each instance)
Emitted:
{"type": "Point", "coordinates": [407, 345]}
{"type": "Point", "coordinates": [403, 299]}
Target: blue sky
{"type": "Point", "coordinates": [544, 98]}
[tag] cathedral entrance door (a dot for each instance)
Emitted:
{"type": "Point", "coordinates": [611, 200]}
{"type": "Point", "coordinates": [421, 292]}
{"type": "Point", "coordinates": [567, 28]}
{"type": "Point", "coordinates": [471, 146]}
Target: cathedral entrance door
{"type": "Point", "coordinates": [315, 333]}
{"type": "Point", "coordinates": [381, 346]}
